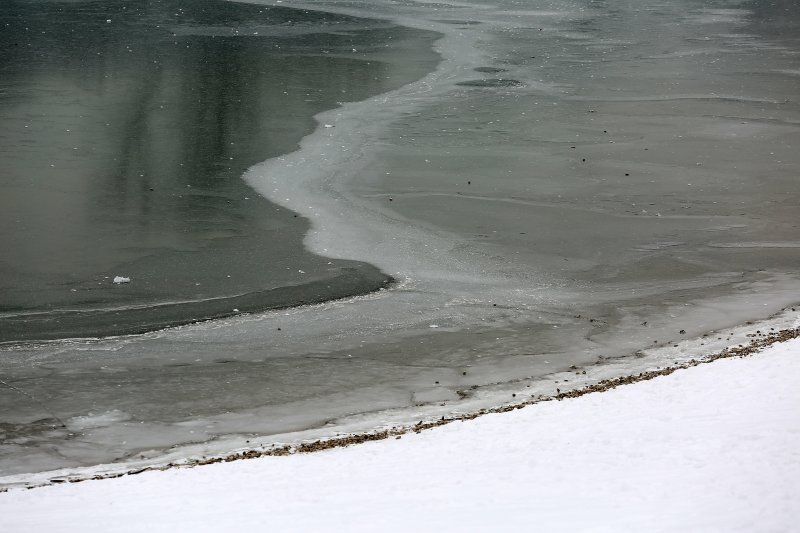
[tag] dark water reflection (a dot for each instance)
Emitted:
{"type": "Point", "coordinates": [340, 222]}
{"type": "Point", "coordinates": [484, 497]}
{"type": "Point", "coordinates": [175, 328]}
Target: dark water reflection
{"type": "Point", "coordinates": [774, 19]}
{"type": "Point", "coordinates": [124, 130]}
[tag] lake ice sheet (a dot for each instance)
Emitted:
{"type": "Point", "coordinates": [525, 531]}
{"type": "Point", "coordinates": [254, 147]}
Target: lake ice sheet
{"type": "Point", "coordinates": [596, 206]}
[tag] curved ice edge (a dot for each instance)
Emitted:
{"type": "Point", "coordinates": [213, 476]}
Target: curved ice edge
{"type": "Point", "coordinates": [316, 180]}
{"type": "Point", "coordinates": [490, 399]}
{"type": "Point", "coordinates": [313, 180]}
{"type": "Point", "coordinates": [70, 325]}
{"type": "Point", "coordinates": [223, 306]}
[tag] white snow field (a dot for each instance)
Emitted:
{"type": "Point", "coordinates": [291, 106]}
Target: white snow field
{"type": "Point", "coordinates": [715, 447]}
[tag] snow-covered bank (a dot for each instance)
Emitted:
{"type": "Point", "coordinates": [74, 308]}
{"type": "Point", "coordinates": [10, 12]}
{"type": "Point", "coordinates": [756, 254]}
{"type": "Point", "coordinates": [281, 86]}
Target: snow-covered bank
{"type": "Point", "coordinates": [709, 448]}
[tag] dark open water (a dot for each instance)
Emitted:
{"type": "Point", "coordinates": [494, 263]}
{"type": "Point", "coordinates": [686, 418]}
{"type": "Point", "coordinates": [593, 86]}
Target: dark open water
{"type": "Point", "coordinates": [125, 127]}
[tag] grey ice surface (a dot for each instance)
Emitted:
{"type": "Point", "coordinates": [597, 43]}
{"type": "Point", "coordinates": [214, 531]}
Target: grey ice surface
{"type": "Point", "coordinates": [632, 174]}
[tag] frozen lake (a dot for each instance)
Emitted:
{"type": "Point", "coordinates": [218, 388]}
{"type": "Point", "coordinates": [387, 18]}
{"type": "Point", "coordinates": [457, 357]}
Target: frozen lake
{"type": "Point", "coordinates": [575, 181]}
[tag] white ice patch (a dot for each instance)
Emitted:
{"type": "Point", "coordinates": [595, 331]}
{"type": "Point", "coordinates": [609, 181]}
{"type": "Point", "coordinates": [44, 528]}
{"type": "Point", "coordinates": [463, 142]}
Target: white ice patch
{"type": "Point", "coordinates": [121, 279]}
{"type": "Point", "coordinates": [91, 420]}
{"type": "Point", "coordinates": [720, 16]}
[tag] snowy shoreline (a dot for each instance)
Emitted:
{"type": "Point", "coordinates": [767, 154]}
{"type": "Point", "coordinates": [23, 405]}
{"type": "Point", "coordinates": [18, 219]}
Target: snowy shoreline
{"type": "Point", "coordinates": [598, 378]}
{"type": "Point", "coordinates": [710, 448]}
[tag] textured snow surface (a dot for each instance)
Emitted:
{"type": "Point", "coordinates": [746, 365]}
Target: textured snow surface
{"type": "Point", "coordinates": [711, 448]}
